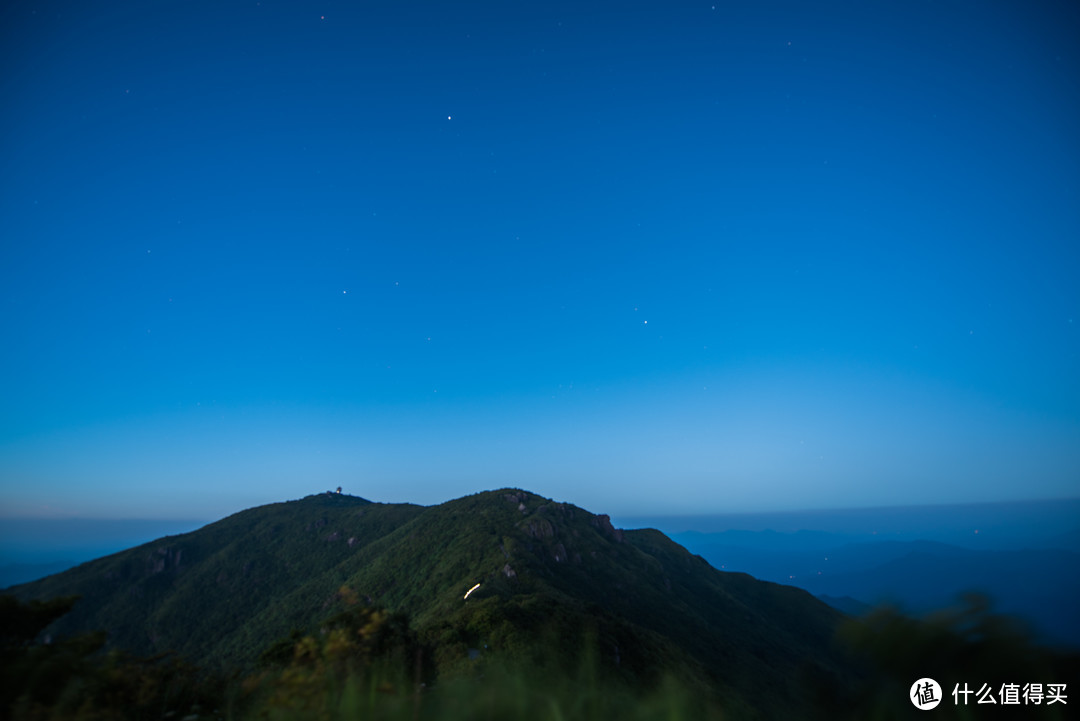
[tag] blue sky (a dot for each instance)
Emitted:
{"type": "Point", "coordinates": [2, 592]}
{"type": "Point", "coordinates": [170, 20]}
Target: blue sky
{"type": "Point", "coordinates": [645, 257]}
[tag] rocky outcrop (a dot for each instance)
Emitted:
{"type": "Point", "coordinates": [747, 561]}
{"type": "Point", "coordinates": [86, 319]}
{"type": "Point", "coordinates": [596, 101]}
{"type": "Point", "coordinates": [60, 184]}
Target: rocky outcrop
{"type": "Point", "coordinates": [603, 522]}
{"type": "Point", "coordinates": [540, 528]}
{"type": "Point", "coordinates": [164, 558]}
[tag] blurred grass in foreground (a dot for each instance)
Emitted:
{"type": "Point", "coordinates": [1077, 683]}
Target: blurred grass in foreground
{"type": "Point", "coordinates": [967, 643]}
{"type": "Point", "coordinates": [368, 664]}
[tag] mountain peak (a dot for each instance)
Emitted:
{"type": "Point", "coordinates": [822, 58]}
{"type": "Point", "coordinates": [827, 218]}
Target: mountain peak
{"type": "Point", "coordinates": [492, 569]}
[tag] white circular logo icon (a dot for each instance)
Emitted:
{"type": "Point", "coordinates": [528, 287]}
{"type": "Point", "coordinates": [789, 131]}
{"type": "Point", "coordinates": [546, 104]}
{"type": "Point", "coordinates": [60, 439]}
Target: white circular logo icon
{"type": "Point", "coordinates": [925, 694]}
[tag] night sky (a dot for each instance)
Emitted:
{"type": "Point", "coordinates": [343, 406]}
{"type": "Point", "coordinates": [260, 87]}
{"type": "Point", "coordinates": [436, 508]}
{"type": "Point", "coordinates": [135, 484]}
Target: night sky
{"type": "Point", "coordinates": [645, 257]}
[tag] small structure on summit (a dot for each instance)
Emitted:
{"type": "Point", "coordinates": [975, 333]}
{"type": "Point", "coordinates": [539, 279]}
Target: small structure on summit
{"type": "Point", "coordinates": [339, 490]}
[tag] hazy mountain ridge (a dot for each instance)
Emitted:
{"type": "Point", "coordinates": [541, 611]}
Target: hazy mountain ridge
{"type": "Point", "coordinates": [220, 594]}
{"type": "Point", "coordinates": [16, 573]}
{"type": "Point", "coordinates": [1039, 584]}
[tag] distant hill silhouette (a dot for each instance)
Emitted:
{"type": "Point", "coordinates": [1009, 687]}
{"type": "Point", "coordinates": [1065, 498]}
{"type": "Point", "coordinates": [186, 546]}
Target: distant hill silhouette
{"type": "Point", "coordinates": [1039, 584]}
{"type": "Point", "coordinates": [13, 573]}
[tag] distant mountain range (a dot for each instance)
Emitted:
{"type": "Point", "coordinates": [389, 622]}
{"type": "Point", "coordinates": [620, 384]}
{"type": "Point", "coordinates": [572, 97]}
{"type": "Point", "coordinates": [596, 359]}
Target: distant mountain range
{"type": "Point", "coordinates": [32, 548]}
{"type": "Point", "coordinates": [1040, 585]}
{"type": "Point", "coordinates": [503, 572]}
{"type": "Point", "coordinates": [13, 573]}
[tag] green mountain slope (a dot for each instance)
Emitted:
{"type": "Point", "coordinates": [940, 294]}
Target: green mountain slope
{"type": "Point", "coordinates": [554, 580]}
{"type": "Point", "coordinates": [195, 592]}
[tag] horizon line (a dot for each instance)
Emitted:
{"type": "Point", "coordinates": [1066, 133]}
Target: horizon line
{"type": "Point", "coordinates": [788, 511]}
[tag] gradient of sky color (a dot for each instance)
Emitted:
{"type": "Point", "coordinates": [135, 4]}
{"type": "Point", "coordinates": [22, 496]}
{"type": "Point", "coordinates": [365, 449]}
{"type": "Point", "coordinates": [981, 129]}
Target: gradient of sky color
{"type": "Point", "coordinates": [646, 257]}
